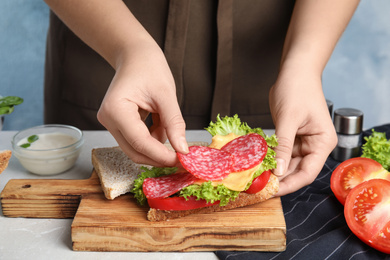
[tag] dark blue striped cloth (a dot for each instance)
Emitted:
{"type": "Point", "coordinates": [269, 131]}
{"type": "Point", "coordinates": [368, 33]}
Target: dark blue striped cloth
{"type": "Point", "coordinates": [316, 227]}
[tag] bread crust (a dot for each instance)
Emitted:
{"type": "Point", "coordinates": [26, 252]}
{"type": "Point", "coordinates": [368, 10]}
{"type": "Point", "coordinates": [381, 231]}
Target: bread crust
{"type": "Point", "coordinates": [243, 199]}
{"type": "Point", "coordinates": [5, 156]}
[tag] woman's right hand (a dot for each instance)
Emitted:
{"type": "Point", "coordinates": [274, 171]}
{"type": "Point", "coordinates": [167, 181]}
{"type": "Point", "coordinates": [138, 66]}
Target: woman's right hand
{"type": "Point", "coordinates": [144, 84]}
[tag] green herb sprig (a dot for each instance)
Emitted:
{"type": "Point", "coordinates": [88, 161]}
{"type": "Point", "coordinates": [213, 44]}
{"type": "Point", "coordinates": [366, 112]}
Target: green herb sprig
{"type": "Point", "coordinates": [30, 140]}
{"type": "Point", "coordinates": [7, 104]}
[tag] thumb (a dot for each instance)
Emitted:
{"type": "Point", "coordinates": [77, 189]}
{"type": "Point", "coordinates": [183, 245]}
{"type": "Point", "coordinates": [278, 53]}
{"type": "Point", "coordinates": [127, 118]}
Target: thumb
{"type": "Point", "coordinates": [286, 137]}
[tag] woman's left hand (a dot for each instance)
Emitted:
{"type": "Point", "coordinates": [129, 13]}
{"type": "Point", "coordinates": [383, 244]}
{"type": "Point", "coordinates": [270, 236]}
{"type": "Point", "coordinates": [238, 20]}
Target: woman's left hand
{"type": "Point", "coordinates": [304, 129]}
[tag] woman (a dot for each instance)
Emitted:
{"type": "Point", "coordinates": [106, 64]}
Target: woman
{"type": "Point", "coordinates": [187, 61]}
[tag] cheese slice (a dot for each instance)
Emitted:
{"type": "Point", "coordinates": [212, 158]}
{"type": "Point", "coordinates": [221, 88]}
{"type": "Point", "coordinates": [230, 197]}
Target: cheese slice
{"type": "Point", "coordinates": [236, 181]}
{"type": "Point", "coordinates": [220, 140]}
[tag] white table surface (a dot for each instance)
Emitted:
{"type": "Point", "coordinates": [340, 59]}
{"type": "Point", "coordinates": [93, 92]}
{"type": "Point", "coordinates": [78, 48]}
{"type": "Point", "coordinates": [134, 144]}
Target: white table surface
{"type": "Point", "coordinates": [33, 238]}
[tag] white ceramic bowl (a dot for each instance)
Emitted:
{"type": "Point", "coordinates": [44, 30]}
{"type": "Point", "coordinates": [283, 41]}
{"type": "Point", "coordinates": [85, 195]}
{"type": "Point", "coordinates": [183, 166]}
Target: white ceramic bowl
{"type": "Point", "coordinates": [54, 151]}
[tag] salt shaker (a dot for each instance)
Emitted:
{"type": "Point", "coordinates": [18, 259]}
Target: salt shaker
{"type": "Point", "coordinates": [348, 123]}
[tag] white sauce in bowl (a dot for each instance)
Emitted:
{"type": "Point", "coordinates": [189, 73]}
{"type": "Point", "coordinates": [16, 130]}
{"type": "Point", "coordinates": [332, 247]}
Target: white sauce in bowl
{"type": "Point", "coordinates": [51, 153]}
{"type": "Point", "coordinates": [49, 141]}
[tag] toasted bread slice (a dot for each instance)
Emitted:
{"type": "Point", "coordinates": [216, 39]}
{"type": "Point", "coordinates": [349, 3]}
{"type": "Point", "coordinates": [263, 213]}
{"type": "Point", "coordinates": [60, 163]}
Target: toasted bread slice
{"type": "Point", "coordinates": [243, 199]}
{"type": "Point", "coordinates": [5, 156]}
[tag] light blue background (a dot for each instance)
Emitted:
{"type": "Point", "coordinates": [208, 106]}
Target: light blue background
{"type": "Point", "coordinates": [357, 75]}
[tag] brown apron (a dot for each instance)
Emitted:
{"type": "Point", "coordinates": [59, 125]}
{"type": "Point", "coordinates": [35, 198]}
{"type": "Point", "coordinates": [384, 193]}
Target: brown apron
{"type": "Point", "coordinates": [224, 56]}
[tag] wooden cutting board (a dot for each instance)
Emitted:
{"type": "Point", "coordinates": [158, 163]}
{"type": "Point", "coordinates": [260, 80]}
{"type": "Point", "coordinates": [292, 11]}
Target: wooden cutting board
{"type": "Point", "coordinates": [121, 225]}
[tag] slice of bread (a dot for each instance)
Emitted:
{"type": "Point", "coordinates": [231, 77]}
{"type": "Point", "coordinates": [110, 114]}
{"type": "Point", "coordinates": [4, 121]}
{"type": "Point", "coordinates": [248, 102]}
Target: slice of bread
{"type": "Point", "coordinates": [117, 171]}
{"type": "Point", "coordinates": [5, 156]}
{"type": "Point", "coordinates": [243, 199]}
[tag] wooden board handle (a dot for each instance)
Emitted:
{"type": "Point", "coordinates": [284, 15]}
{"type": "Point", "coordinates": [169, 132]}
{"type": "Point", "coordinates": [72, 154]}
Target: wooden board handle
{"type": "Point", "coordinates": [46, 198]}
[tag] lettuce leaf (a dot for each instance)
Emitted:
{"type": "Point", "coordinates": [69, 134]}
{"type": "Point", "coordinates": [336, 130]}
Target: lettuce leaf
{"type": "Point", "coordinates": [377, 147]}
{"type": "Point", "coordinates": [148, 173]}
{"type": "Point", "coordinates": [210, 193]}
{"type": "Point", "coordinates": [227, 125]}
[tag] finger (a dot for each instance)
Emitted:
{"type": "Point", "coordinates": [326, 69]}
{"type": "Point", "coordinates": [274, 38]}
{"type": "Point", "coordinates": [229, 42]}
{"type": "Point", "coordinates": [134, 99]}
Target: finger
{"type": "Point", "coordinates": [304, 174]}
{"type": "Point", "coordinates": [139, 157]}
{"type": "Point", "coordinates": [139, 144]}
{"type": "Point", "coordinates": [292, 167]}
{"type": "Point", "coordinates": [130, 152]}
{"type": "Point", "coordinates": [174, 125]}
{"type": "Point", "coordinates": [286, 136]}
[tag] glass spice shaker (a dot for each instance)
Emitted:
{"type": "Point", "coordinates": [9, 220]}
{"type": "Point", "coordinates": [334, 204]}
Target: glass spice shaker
{"type": "Point", "coordinates": [348, 123]}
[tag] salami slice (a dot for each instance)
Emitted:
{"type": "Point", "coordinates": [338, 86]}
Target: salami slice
{"type": "Point", "coordinates": [207, 163]}
{"type": "Point", "coordinates": [165, 186]}
{"type": "Point", "coordinates": [247, 150]}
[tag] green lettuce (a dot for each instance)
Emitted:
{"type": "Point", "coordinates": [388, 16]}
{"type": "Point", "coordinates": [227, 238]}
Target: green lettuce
{"type": "Point", "coordinates": [377, 147]}
{"type": "Point", "coordinates": [227, 125]}
{"type": "Point", "coordinates": [210, 193]}
{"type": "Point", "coordinates": [222, 126]}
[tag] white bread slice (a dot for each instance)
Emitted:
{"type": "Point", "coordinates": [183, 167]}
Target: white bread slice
{"type": "Point", "coordinates": [117, 171]}
{"type": "Point", "coordinates": [5, 156]}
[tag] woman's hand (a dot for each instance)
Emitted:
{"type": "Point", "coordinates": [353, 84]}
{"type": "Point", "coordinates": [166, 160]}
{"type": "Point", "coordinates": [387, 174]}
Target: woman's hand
{"type": "Point", "coordinates": [304, 129]}
{"type": "Point", "coordinates": [143, 84]}
{"type": "Point", "coordinates": [298, 107]}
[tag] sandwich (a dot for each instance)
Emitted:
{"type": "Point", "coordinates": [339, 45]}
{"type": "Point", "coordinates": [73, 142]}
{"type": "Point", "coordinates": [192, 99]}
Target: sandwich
{"type": "Point", "coordinates": [233, 171]}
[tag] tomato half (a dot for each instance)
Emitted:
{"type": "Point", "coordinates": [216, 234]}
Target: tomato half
{"type": "Point", "coordinates": [259, 182]}
{"type": "Point", "coordinates": [179, 203]}
{"type": "Point", "coordinates": [367, 212]}
{"type": "Point", "coordinates": [352, 172]}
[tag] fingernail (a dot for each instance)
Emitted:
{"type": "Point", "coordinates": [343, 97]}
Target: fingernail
{"type": "Point", "coordinates": [183, 145]}
{"type": "Point", "coordinates": [280, 167]}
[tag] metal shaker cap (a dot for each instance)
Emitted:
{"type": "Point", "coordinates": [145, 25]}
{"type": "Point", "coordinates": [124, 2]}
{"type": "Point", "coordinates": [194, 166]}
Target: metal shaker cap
{"type": "Point", "coordinates": [348, 121]}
